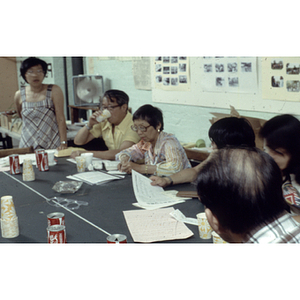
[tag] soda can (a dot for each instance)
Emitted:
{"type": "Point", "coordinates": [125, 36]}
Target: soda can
{"type": "Point", "coordinates": [37, 157]}
{"type": "Point", "coordinates": [56, 218]}
{"type": "Point", "coordinates": [14, 164]}
{"type": "Point", "coordinates": [43, 161]}
{"type": "Point", "coordinates": [56, 234]}
{"type": "Point", "coordinates": [116, 239]}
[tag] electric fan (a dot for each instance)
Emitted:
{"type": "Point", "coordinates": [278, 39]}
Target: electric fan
{"type": "Point", "coordinates": [87, 90]}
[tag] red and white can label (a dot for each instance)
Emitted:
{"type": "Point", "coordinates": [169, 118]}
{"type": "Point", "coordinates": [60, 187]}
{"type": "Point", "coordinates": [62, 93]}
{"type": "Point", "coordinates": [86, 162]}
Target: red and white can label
{"type": "Point", "coordinates": [37, 157]}
{"type": "Point", "coordinates": [56, 218]}
{"type": "Point", "coordinates": [43, 159]}
{"type": "Point", "coordinates": [14, 164]}
{"type": "Point", "coordinates": [56, 234]}
{"type": "Point", "coordinates": [116, 239]}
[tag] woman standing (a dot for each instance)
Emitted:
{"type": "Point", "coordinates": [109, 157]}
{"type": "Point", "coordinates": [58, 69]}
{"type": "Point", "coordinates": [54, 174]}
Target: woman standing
{"type": "Point", "coordinates": [41, 107]}
{"type": "Point", "coordinates": [161, 152]}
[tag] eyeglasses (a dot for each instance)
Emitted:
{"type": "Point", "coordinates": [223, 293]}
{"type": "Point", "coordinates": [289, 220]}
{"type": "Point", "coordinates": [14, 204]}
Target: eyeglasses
{"type": "Point", "coordinates": [109, 107]}
{"type": "Point", "coordinates": [38, 72]}
{"type": "Point", "coordinates": [140, 128]}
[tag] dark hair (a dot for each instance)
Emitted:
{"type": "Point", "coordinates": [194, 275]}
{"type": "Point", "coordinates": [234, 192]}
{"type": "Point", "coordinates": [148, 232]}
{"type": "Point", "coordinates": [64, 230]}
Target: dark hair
{"type": "Point", "coordinates": [151, 114]}
{"type": "Point", "coordinates": [241, 187]}
{"type": "Point", "coordinates": [232, 131]}
{"type": "Point", "coordinates": [283, 131]}
{"type": "Point", "coordinates": [120, 96]}
{"type": "Point", "coordinates": [31, 62]}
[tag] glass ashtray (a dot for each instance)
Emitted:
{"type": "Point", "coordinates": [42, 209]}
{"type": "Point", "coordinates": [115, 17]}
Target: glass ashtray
{"type": "Point", "coordinates": [67, 187]}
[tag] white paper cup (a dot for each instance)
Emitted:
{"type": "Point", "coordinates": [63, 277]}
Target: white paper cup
{"type": "Point", "coordinates": [28, 172]}
{"type": "Point", "coordinates": [104, 115]}
{"type": "Point", "coordinates": [80, 161]}
{"type": "Point", "coordinates": [8, 211]}
{"type": "Point", "coordinates": [10, 228]}
{"type": "Point", "coordinates": [51, 153]}
{"type": "Point", "coordinates": [217, 239]}
{"type": "Point", "coordinates": [88, 158]}
{"type": "Point", "coordinates": [204, 228]}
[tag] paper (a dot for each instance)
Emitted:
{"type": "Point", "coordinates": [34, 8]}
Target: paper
{"type": "Point", "coordinates": [154, 226]}
{"type": "Point", "coordinates": [95, 177]}
{"type": "Point", "coordinates": [152, 197]}
{"type": "Point", "coordinates": [179, 216]}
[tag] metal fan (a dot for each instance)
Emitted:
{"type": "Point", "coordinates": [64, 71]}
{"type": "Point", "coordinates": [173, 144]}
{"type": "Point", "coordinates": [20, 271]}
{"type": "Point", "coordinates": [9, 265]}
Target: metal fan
{"type": "Point", "coordinates": [87, 90]}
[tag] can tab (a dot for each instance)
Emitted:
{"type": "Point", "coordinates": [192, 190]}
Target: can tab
{"type": "Point", "coordinates": [67, 203]}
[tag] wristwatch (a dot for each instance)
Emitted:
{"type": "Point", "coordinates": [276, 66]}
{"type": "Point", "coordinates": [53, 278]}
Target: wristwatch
{"type": "Point", "coordinates": [64, 142]}
{"type": "Point", "coordinates": [88, 127]}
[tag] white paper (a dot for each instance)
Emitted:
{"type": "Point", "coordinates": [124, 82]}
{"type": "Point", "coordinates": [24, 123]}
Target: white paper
{"type": "Point", "coordinates": [148, 195]}
{"type": "Point", "coordinates": [95, 177]}
{"type": "Point", "coordinates": [179, 216]}
{"type": "Point", "coordinates": [156, 225]}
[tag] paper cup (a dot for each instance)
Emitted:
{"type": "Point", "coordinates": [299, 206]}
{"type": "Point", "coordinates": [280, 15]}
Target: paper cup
{"type": "Point", "coordinates": [80, 161]}
{"type": "Point", "coordinates": [51, 153]}
{"type": "Point", "coordinates": [104, 115]}
{"type": "Point", "coordinates": [217, 239]}
{"type": "Point", "coordinates": [10, 228]}
{"type": "Point", "coordinates": [28, 172]}
{"type": "Point", "coordinates": [88, 158]}
{"type": "Point", "coordinates": [204, 228]}
{"type": "Point", "coordinates": [8, 211]}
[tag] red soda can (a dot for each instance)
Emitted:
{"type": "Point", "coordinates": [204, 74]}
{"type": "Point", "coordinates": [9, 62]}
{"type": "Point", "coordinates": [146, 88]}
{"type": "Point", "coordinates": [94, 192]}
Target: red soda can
{"type": "Point", "coordinates": [14, 164]}
{"type": "Point", "coordinates": [43, 159]}
{"type": "Point", "coordinates": [116, 239]}
{"type": "Point", "coordinates": [37, 157]}
{"type": "Point", "coordinates": [56, 218]}
{"type": "Point", "coordinates": [56, 234]}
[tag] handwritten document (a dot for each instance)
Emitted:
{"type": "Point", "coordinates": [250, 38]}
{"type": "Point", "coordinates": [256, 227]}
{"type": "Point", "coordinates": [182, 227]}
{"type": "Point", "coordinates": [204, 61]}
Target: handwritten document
{"type": "Point", "coordinates": [156, 225]}
{"type": "Point", "coordinates": [152, 197]}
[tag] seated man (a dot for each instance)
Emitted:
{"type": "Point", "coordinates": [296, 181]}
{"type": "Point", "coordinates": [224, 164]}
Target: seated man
{"type": "Point", "coordinates": [242, 195]}
{"type": "Point", "coordinates": [229, 131]}
{"type": "Point", "coordinates": [116, 130]}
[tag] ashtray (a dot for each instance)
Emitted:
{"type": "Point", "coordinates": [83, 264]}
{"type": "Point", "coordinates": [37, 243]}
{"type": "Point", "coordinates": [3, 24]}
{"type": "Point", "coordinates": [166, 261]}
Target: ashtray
{"type": "Point", "coordinates": [67, 187]}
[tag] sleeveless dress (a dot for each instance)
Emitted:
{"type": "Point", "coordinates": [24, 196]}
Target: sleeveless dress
{"type": "Point", "coordinates": [39, 128]}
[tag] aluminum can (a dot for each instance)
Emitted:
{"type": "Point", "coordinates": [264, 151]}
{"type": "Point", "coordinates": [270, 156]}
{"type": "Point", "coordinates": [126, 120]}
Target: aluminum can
{"type": "Point", "coordinates": [56, 234]}
{"type": "Point", "coordinates": [116, 239]}
{"type": "Point", "coordinates": [43, 159]}
{"type": "Point", "coordinates": [37, 157]}
{"type": "Point", "coordinates": [56, 218]}
{"type": "Point", "coordinates": [14, 164]}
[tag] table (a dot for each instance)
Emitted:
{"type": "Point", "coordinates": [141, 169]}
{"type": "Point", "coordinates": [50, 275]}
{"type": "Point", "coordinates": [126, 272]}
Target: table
{"type": "Point", "coordinates": [106, 204]}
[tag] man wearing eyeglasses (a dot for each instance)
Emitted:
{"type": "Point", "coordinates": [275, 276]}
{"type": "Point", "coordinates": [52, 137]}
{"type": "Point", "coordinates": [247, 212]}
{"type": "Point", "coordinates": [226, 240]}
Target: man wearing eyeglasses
{"type": "Point", "coordinates": [115, 131]}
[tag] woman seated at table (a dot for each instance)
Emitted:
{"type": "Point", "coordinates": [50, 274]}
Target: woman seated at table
{"type": "Point", "coordinates": [281, 136]}
{"type": "Point", "coordinates": [162, 153]}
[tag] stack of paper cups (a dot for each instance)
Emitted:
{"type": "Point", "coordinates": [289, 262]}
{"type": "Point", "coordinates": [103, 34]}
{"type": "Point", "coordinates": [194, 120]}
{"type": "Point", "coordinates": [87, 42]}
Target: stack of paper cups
{"type": "Point", "coordinates": [28, 172]}
{"type": "Point", "coordinates": [204, 228]}
{"type": "Point", "coordinates": [88, 160]}
{"type": "Point", "coordinates": [9, 219]}
{"type": "Point", "coordinates": [80, 161]}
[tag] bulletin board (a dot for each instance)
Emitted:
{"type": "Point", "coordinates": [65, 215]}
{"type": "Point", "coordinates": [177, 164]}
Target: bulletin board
{"type": "Point", "coordinates": [243, 82]}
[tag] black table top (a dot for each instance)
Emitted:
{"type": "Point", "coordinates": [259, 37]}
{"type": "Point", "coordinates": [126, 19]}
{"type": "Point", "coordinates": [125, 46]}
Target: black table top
{"type": "Point", "coordinates": [106, 204]}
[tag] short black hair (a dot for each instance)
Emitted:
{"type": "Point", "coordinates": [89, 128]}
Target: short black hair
{"type": "Point", "coordinates": [241, 187]}
{"type": "Point", "coordinates": [120, 96]}
{"type": "Point", "coordinates": [151, 114]}
{"type": "Point", "coordinates": [283, 131]}
{"type": "Point", "coordinates": [232, 131]}
{"type": "Point", "coordinates": [31, 62]}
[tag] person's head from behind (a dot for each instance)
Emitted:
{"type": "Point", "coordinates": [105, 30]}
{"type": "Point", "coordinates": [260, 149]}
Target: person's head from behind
{"type": "Point", "coordinates": [231, 131]}
{"type": "Point", "coordinates": [116, 102]}
{"type": "Point", "coordinates": [33, 65]}
{"type": "Point", "coordinates": [148, 122]}
{"type": "Point", "coordinates": [240, 189]}
{"type": "Point", "coordinates": [281, 136]}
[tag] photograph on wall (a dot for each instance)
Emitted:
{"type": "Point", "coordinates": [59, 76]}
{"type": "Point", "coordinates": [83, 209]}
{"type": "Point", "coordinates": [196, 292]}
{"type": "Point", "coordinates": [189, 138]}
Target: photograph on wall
{"type": "Point", "coordinates": [171, 73]}
{"type": "Point", "coordinates": [281, 78]}
{"type": "Point", "coordinates": [229, 74]}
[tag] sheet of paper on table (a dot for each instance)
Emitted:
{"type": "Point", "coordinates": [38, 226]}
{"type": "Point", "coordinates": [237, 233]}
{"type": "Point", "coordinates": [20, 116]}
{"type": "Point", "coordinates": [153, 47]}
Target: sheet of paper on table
{"type": "Point", "coordinates": [155, 225]}
{"type": "Point", "coordinates": [94, 177]}
{"type": "Point", "coordinates": [152, 197]}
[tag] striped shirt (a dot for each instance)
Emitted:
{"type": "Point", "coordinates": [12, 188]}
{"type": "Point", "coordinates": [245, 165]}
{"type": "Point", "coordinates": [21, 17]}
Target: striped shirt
{"type": "Point", "coordinates": [283, 230]}
{"type": "Point", "coordinates": [169, 156]}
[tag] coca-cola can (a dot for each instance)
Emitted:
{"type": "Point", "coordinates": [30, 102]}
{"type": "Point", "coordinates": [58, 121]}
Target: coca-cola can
{"type": "Point", "coordinates": [37, 157]}
{"type": "Point", "coordinates": [116, 239]}
{"type": "Point", "coordinates": [56, 218]}
{"type": "Point", "coordinates": [14, 164]}
{"type": "Point", "coordinates": [43, 159]}
{"type": "Point", "coordinates": [56, 234]}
